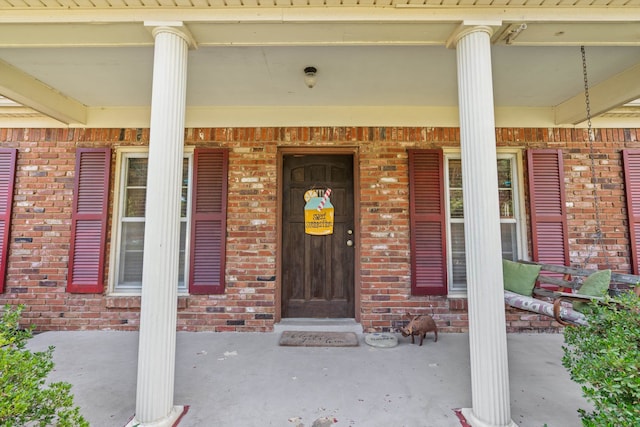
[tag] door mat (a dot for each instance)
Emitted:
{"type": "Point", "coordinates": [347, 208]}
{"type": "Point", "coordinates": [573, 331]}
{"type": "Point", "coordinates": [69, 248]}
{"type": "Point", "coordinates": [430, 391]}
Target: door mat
{"type": "Point", "coordinates": [318, 339]}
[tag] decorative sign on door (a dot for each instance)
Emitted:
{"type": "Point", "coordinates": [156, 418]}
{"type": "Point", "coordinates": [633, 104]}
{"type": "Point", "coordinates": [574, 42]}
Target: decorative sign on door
{"type": "Point", "coordinates": [318, 213]}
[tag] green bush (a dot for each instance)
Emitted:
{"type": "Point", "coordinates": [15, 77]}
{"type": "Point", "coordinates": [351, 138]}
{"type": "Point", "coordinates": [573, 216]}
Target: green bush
{"type": "Point", "coordinates": [604, 357]}
{"type": "Point", "coordinates": [25, 399]}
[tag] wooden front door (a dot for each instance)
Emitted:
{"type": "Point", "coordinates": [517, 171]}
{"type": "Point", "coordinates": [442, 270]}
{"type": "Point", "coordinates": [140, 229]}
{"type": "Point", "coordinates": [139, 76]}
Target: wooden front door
{"type": "Point", "coordinates": [317, 270]}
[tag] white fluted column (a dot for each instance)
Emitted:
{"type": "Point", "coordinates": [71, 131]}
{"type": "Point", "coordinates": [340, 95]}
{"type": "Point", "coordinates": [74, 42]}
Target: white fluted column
{"type": "Point", "coordinates": [158, 312]}
{"type": "Point", "coordinates": [487, 332]}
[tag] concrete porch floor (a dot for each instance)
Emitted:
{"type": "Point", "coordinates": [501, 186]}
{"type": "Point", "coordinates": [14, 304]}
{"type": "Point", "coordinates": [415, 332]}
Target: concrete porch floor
{"type": "Point", "coordinates": [247, 380]}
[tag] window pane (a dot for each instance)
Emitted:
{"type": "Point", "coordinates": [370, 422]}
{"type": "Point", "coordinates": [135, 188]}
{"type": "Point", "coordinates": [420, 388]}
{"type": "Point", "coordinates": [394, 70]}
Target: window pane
{"type": "Point", "coordinates": [185, 189]}
{"type": "Point", "coordinates": [131, 252]}
{"type": "Point", "coordinates": [505, 190]}
{"type": "Point", "coordinates": [455, 189]}
{"type": "Point", "coordinates": [183, 202]}
{"type": "Point", "coordinates": [509, 241]}
{"type": "Point", "coordinates": [456, 207]}
{"type": "Point", "coordinates": [506, 203]}
{"type": "Point", "coordinates": [136, 188]}
{"type": "Point", "coordinates": [455, 173]}
{"type": "Point", "coordinates": [137, 172]}
{"type": "Point", "coordinates": [504, 173]}
{"type": "Point", "coordinates": [183, 243]}
{"type": "Point", "coordinates": [135, 200]}
{"type": "Point", "coordinates": [458, 261]}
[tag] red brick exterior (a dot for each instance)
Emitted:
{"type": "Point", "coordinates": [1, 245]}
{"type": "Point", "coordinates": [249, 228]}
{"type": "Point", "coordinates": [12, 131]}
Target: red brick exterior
{"type": "Point", "coordinates": [40, 229]}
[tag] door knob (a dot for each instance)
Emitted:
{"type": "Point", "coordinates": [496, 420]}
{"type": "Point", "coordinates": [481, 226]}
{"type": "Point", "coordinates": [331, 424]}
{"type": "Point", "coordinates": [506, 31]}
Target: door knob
{"type": "Point", "coordinates": [349, 242]}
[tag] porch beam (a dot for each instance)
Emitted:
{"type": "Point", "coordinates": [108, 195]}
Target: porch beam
{"type": "Point", "coordinates": [338, 115]}
{"type": "Point", "coordinates": [614, 92]}
{"type": "Point", "coordinates": [30, 92]}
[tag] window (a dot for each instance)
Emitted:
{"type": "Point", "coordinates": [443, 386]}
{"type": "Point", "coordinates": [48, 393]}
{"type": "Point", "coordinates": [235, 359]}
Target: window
{"type": "Point", "coordinates": [203, 209]}
{"type": "Point", "coordinates": [509, 215]}
{"type": "Point", "coordinates": [129, 221]}
{"type": "Point", "coordinates": [438, 265]}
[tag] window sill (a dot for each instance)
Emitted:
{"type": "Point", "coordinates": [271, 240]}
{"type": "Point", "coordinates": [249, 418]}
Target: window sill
{"type": "Point", "coordinates": [116, 301]}
{"type": "Point", "coordinates": [457, 295]}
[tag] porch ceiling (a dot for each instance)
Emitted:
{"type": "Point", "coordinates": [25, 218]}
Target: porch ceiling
{"type": "Point", "coordinates": [90, 64]}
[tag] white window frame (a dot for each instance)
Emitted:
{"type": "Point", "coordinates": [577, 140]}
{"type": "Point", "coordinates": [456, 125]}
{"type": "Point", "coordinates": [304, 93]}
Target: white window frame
{"type": "Point", "coordinates": [519, 217]}
{"type": "Point", "coordinates": [122, 155]}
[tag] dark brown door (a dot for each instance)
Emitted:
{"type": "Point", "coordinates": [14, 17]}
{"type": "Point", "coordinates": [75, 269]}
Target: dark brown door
{"type": "Point", "coordinates": [317, 271]}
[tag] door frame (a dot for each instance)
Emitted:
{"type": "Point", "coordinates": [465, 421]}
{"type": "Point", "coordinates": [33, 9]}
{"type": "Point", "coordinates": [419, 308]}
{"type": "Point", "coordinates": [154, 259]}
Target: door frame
{"type": "Point", "coordinates": [287, 151]}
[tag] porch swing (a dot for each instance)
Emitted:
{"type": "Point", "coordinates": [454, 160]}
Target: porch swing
{"type": "Point", "coordinates": [576, 286]}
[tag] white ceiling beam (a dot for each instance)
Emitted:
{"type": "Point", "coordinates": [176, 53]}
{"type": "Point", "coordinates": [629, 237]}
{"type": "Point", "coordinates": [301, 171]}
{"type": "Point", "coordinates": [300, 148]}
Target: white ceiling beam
{"type": "Point", "coordinates": [327, 115]}
{"type": "Point", "coordinates": [122, 34]}
{"type": "Point", "coordinates": [30, 92]}
{"type": "Point", "coordinates": [604, 96]}
{"type": "Point", "coordinates": [234, 116]}
{"type": "Point", "coordinates": [80, 34]}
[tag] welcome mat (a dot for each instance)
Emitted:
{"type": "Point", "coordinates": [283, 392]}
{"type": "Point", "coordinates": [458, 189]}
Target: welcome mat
{"type": "Point", "coordinates": [318, 339]}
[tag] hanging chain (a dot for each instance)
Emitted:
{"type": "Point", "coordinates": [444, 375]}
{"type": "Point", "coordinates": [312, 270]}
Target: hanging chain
{"type": "Point", "coordinates": [586, 99]}
{"type": "Point", "coordinates": [596, 202]}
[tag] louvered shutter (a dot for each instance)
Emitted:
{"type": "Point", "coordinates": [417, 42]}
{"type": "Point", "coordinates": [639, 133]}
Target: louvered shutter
{"type": "Point", "coordinates": [89, 221]}
{"type": "Point", "coordinates": [548, 207]}
{"type": "Point", "coordinates": [208, 222]}
{"type": "Point", "coordinates": [632, 188]}
{"type": "Point", "coordinates": [8, 158]}
{"type": "Point", "coordinates": [428, 223]}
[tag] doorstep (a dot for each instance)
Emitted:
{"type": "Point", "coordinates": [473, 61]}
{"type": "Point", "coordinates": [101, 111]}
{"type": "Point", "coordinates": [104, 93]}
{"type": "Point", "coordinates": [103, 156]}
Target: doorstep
{"type": "Point", "coordinates": [318, 325]}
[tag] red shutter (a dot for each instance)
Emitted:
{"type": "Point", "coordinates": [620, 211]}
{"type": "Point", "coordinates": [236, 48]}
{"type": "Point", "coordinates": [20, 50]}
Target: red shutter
{"type": "Point", "coordinates": [89, 221]}
{"type": "Point", "coordinates": [8, 158]}
{"type": "Point", "coordinates": [548, 206]}
{"type": "Point", "coordinates": [428, 223]}
{"type": "Point", "coordinates": [632, 188]}
{"type": "Point", "coordinates": [208, 222]}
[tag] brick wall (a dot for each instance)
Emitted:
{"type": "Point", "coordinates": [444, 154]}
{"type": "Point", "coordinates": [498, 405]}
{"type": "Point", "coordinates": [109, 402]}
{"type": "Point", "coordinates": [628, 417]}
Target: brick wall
{"type": "Point", "coordinates": [37, 264]}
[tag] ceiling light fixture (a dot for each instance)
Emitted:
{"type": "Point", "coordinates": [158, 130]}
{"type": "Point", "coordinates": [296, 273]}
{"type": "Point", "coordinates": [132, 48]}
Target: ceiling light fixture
{"type": "Point", "coordinates": [310, 76]}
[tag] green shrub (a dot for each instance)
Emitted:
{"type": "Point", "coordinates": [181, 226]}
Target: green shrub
{"type": "Point", "coordinates": [25, 399]}
{"type": "Point", "coordinates": [604, 357]}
